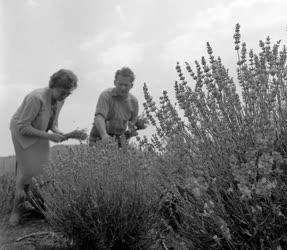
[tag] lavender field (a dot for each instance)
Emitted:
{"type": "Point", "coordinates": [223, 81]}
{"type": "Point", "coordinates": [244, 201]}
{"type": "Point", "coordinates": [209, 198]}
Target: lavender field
{"type": "Point", "coordinates": [212, 176]}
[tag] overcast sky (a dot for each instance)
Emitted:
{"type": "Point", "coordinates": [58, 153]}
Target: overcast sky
{"type": "Point", "coordinates": [95, 38]}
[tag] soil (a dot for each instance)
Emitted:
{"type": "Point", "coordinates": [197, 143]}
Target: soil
{"type": "Point", "coordinates": [33, 233]}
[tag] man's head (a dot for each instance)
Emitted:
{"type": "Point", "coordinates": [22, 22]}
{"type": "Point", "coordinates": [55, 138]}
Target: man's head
{"type": "Point", "coordinates": [124, 78]}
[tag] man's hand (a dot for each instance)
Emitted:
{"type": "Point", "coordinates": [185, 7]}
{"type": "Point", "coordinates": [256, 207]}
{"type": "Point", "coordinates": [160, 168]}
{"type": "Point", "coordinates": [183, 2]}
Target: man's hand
{"type": "Point", "coordinates": [92, 143]}
{"type": "Point", "coordinates": [106, 139]}
{"type": "Point", "coordinates": [130, 133]}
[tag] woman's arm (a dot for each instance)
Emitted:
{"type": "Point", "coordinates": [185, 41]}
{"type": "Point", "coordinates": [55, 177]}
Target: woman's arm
{"type": "Point", "coordinates": [29, 113]}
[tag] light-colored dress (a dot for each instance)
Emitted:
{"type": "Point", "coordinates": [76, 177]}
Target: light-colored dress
{"type": "Point", "coordinates": [34, 115]}
{"type": "Point", "coordinates": [32, 160]}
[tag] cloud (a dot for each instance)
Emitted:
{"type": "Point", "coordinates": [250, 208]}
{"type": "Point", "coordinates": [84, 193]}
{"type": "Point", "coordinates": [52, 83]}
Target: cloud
{"type": "Point", "coordinates": [2, 62]}
{"type": "Point", "coordinates": [216, 25]}
{"type": "Point", "coordinates": [120, 13]}
{"type": "Point", "coordinates": [111, 59]}
{"type": "Point", "coordinates": [102, 40]}
{"type": "Point", "coordinates": [255, 13]}
{"type": "Point", "coordinates": [125, 36]}
{"type": "Point", "coordinates": [33, 3]}
{"type": "Point", "coordinates": [10, 92]}
{"type": "Point", "coordinates": [19, 87]}
{"type": "Point", "coordinates": [114, 48]}
{"type": "Point", "coordinates": [94, 43]}
{"type": "Point", "coordinates": [3, 93]}
{"type": "Point", "coordinates": [245, 4]}
{"type": "Point", "coordinates": [122, 54]}
{"type": "Point", "coordinates": [66, 64]}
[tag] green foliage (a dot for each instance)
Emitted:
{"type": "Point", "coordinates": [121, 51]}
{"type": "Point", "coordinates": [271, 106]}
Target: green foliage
{"type": "Point", "coordinates": [103, 197]}
{"type": "Point", "coordinates": [230, 148]}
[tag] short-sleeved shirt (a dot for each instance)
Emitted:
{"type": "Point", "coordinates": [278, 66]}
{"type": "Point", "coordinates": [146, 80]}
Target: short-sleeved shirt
{"type": "Point", "coordinates": [116, 110]}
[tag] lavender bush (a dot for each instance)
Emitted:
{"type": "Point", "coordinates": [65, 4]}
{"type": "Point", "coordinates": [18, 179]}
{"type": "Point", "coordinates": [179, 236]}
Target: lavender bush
{"type": "Point", "coordinates": [226, 155]}
{"type": "Point", "coordinates": [103, 197]}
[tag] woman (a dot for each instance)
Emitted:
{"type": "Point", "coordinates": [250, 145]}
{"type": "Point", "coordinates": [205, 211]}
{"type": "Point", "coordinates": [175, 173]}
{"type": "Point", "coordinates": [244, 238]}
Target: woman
{"type": "Point", "coordinates": [29, 127]}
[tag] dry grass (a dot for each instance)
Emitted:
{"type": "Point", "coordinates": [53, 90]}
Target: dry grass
{"type": "Point", "coordinates": [7, 165]}
{"type": "Point", "coordinates": [7, 188]}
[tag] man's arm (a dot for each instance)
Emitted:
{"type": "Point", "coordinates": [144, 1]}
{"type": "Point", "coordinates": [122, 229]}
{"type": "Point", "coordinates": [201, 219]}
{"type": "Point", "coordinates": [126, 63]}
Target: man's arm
{"type": "Point", "coordinates": [99, 129]}
{"type": "Point", "coordinates": [99, 126]}
{"type": "Point", "coordinates": [136, 110]}
{"type": "Point", "coordinates": [132, 130]}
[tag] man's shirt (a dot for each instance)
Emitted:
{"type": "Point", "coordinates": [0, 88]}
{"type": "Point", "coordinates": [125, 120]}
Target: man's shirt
{"type": "Point", "coordinates": [116, 110]}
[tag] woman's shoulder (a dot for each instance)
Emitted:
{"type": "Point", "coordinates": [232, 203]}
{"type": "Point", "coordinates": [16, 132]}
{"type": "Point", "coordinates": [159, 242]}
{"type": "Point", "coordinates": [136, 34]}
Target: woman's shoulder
{"type": "Point", "coordinates": [38, 94]}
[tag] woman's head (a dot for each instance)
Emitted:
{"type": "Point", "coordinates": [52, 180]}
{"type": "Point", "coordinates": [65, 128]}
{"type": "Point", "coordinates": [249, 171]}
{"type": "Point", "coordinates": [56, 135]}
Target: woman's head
{"type": "Point", "coordinates": [62, 83]}
{"type": "Point", "coordinates": [63, 78]}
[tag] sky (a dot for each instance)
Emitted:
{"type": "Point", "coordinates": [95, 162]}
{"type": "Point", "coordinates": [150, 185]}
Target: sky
{"type": "Point", "coordinates": [95, 38]}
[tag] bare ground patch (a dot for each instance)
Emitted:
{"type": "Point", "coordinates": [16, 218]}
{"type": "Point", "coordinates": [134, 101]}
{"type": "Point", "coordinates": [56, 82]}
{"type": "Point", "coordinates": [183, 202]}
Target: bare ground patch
{"type": "Point", "coordinates": [33, 233]}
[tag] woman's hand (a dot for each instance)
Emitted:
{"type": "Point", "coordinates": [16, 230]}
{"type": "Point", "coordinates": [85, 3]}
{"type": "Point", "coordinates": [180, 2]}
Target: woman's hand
{"type": "Point", "coordinates": [54, 137]}
{"type": "Point", "coordinates": [57, 131]}
{"type": "Point", "coordinates": [77, 134]}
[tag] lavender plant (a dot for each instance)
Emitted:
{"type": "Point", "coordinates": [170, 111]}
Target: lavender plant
{"type": "Point", "coordinates": [7, 185]}
{"type": "Point", "coordinates": [102, 197]}
{"type": "Point", "coordinates": [230, 146]}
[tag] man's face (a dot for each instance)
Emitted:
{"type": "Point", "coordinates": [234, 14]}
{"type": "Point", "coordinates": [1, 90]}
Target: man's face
{"type": "Point", "coordinates": [123, 85]}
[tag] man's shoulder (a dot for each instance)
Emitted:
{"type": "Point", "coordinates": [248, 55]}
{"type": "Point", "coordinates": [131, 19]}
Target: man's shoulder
{"type": "Point", "coordinates": [107, 93]}
{"type": "Point", "coordinates": [132, 98]}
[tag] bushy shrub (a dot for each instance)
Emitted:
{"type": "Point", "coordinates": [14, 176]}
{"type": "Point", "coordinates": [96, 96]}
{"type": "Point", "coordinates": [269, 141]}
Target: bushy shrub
{"type": "Point", "coordinates": [102, 197]}
{"type": "Point", "coordinates": [7, 190]}
{"type": "Point", "coordinates": [229, 149]}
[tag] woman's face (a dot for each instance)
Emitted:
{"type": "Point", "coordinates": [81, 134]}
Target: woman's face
{"type": "Point", "coordinates": [60, 94]}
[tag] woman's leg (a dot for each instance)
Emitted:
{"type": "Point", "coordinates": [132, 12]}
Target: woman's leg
{"type": "Point", "coordinates": [31, 162]}
{"type": "Point", "coordinates": [19, 199]}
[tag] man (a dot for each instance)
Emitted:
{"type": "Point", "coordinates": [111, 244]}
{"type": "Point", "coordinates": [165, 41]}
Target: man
{"type": "Point", "coordinates": [116, 109]}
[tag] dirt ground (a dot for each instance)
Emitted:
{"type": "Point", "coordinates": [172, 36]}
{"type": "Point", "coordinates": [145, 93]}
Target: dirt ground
{"type": "Point", "coordinates": [33, 233]}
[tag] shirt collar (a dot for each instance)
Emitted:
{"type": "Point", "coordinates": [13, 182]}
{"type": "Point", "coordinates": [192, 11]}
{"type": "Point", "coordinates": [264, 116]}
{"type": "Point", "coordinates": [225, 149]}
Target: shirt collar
{"type": "Point", "coordinates": [114, 92]}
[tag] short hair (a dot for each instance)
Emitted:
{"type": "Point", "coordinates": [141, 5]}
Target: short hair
{"type": "Point", "coordinates": [63, 78]}
{"type": "Point", "coordinates": [125, 71]}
